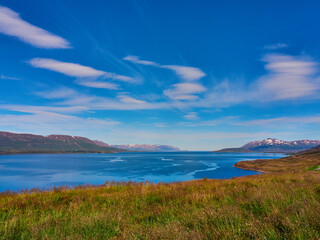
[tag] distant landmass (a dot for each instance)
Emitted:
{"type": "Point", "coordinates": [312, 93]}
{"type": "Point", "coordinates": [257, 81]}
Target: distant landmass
{"type": "Point", "coordinates": [232, 150]}
{"type": "Point", "coordinates": [148, 147]}
{"type": "Point", "coordinates": [307, 160]}
{"type": "Point", "coordinates": [272, 145]}
{"type": "Point", "coordinates": [30, 143]}
{"type": "Point", "coordinates": [311, 150]}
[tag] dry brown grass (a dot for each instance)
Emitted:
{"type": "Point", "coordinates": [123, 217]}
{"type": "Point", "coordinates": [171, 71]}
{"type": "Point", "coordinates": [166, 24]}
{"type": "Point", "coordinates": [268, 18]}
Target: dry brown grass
{"type": "Point", "coordinates": [295, 163]}
{"type": "Point", "coordinates": [268, 206]}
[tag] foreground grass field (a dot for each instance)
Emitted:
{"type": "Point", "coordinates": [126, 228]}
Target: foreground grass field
{"type": "Point", "coordinates": [268, 206]}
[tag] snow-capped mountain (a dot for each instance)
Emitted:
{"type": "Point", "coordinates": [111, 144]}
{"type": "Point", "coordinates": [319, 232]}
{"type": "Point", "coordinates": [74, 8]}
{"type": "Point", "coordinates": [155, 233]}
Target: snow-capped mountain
{"type": "Point", "coordinates": [148, 147]}
{"type": "Point", "coordinates": [275, 145]}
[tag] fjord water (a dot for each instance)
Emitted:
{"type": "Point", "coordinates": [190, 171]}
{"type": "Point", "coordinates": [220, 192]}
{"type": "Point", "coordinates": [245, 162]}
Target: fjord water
{"type": "Point", "coordinates": [19, 172]}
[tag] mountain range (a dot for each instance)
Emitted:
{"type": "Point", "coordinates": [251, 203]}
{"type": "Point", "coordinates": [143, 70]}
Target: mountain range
{"type": "Point", "coordinates": [272, 145]}
{"type": "Point", "coordinates": [30, 143]}
{"type": "Point", "coordinates": [148, 147]}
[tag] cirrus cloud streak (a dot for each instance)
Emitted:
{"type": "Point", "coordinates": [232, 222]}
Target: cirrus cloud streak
{"type": "Point", "coordinates": [11, 24]}
{"type": "Point", "coordinates": [87, 76]}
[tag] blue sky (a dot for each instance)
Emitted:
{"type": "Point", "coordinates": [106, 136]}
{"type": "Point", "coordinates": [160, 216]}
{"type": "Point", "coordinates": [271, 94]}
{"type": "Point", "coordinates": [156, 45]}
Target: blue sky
{"type": "Point", "coordinates": [200, 75]}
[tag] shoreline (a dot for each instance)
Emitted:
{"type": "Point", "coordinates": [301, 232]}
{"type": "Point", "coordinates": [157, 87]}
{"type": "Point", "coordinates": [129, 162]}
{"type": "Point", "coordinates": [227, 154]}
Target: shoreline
{"type": "Point", "coordinates": [295, 163]}
{"type": "Point", "coordinates": [250, 169]}
{"type": "Point", "coordinates": [22, 153]}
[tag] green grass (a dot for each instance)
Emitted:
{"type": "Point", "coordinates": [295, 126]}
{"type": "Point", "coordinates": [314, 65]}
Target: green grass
{"type": "Point", "coordinates": [268, 206]}
{"type": "Point", "coordinates": [313, 168]}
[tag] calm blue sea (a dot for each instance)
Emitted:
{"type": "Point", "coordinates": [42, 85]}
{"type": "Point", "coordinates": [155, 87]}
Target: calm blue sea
{"type": "Point", "coordinates": [19, 172]}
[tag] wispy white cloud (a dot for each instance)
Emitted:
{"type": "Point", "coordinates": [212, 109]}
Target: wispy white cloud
{"type": "Point", "coordinates": [52, 122]}
{"type": "Point", "coordinates": [8, 77]}
{"type": "Point", "coordinates": [225, 94]}
{"type": "Point", "coordinates": [87, 76]}
{"type": "Point", "coordinates": [123, 103]}
{"type": "Point", "coordinates": [59, 93]}
{"type": "Point", "coordinates": [36, 109]}
{"type": "Point", "coordinates": [282, 121]}
{"type": "Point", "coordinates": [128, 99]}
{"type": "Point", "coordinates": [191, 116]}
{"type": "Point", "coordinates": [229, 120]}
{"type": "Point", "coordinates": [97, 84]}
{"type": "Point", "coordinates": [75, 69]}
{"type": "Point", "coordinates": [264, 122]}
{"type": "Point", "coordinates": [186, 73]}
{"type": "Point", "coordinates": [120, 77]}
{"type": "Point", "coordinates": [55, 119]}
{"type": "Point", "coordinates": [288, 77]}
{"type": "Point", "coordinates": [296, 121]}
{"type": "Point", "coordinates": [276, 46]}
{"type": "Point", "coordinates": [70, 69]}
{"type": "Point", "coordinates": [160, 125]}
{"type": "Point", "coordinates": [11, 24]}
{"type": "Point", "coordinates": [136, 59]}
{"type": "Point", "coordinates": [69, 97]}
{"type": "Point", "coordinates": [184, 91]}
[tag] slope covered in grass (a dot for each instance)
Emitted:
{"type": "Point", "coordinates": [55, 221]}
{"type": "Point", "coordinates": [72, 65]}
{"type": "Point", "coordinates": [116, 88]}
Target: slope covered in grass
{"type": "Point", "coordinates": [295, 163]}
{"type": "Point", "coordinates": [11, 143]}
{"type": "Point", "coordinates": [268, 206]}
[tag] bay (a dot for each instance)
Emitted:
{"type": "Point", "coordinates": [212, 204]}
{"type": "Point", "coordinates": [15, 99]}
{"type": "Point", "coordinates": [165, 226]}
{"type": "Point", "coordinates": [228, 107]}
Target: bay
{"type": "Point", "coordinates": [26, 171]}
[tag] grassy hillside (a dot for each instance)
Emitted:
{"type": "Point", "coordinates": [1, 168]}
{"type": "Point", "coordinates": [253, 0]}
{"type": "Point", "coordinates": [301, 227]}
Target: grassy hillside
{"type": "Point", "coordinates": [295, 163]}
{"type": "Point", "coordinates": [314, 149]}
{"type": "Point", "coordinates": [268, 206]}
{"type": "Point", "coordinates": [30, 143]}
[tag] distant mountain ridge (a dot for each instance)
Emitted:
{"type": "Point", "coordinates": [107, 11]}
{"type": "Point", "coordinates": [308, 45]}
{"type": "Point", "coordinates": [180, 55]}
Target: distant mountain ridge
{"type": "Point", "coordinates": [148, 147]}
{"type": "Point", "coordinates": [30, 143]}
{"type": "Point", "coordinates": [270, 145]}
